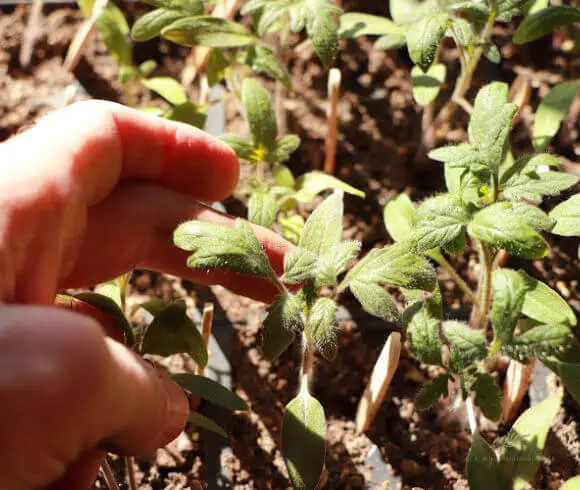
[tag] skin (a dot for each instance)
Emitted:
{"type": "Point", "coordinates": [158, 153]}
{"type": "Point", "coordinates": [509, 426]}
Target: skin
{"type": "Point", "coordinates": [87, 194]}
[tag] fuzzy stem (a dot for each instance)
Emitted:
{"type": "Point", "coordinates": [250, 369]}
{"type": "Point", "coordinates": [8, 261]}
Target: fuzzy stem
{"type": "Point", "coordinates": [457, 278]}
{"type": "Point", "coordinates": [307, 363]}
{"type": "Point", "coordinates": [480, 314]}
{"type": "Point", "coordinates": [472, 420]}
{"type": "Point", "coordinates": [130, 469]}
{"type": "Point", "coordinates": [108, 475]}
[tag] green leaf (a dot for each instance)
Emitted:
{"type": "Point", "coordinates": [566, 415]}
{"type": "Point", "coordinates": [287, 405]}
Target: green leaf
{"type": "Point", "coordinates": [399, 214]}
{"type": "Point", "coordinates": [322, 326]}
{"type": "Point", "coordinates": [532, 186]}
{"type": "Point", "coordinates": [462, 156]}
{"type": "Point", "coordinates": [283, 148]}
{"type": "Point", "coordinates": [396, 265]}
{"type": "Point", "coordinates": [533, 216]}
{"type": "Point", "coordinates": [455, 246]}
{"type": "Point", "coordinates": [423, 38]}
{"type": "Point", "coordinates": [570, 375]}
{"type": "Point", "coordinates": [188, 113]}
{"type": "Point", "coordinates": [334, 262]}
{"type": "Point", "coordinates": [114, 31]}
{"type": "Point", "coordinates": [438, 221]}
{"type": "Point", "coordinates": [552, 110]}
{"type": "Point", "coordinates": [390, 41]}
{"type": "Point", "coordinates": [311, 184]}
{"type": "Point", "coordinates": [168, 88]}
{"type": "Point", "coordinates": [545, 21]}
{"type": "Point", "coordinates": [432, 391]}
{"type": "Point", "coordinates": [492, 53]}
{"type": "Point", "coordinates": [262, 60]}
{"type": "Point", "coordinates": [375, 300]}
{"type": "Point", "coordinates": [173, 332]}
{"type": "Point", "coordinates": [283, 176]}
{"type": "Point", "coordinates": [426, 85]}
{"type": "Point", "coordinates": [487, 396]}
{"type": "Point", "coordinates": [152, 23]}
{"type": "Point", "coordinates": [422, 318]}
{"type": "Point", "coordinates": [408, 11]}
{"type": "Point", "coordinates": [86, 7]}
{"type": "Point", "coordinates": [218, 247]}
{"type": "Point", "coordinates": [544, 304]}
{"type": "Point", "coordinates": [217, 64]}
{"type": "Point", "coordinates": [490, 122]}
{"type": "Point", "coordinates": [147, 67]}
{"type": "Point", "coordinates": [323, 229]}
{"type": "Point", "coordinates": [321, 26]}
{"type": "Point", "coordinates": [292, 227]}
{"type": "Point", "coordinates": [467, 345]}
{"type": "Point", "coordinates": [262, 209]}
{"type": "Point", "coordinates": [285, 318]}
{"type": "Point", "coordinates": [206, 30]}
{"type": "Point", "coordinates": [153, 306]}
{"type": "Point", "coordinates": [206, 423]}
{"type": "Point", "coordinates": [355, 24]}
{"type": "Point", "coordinates": [567, 217]}
{"type": "Point", "coordinates": [483, 471]}
{"type": "Point", "coordinates": [299, 265]}
{"type": "Point", "coordinates": [543, 340]}
{"type": "Point", "coordinates": [303, 440]}
{"type": "Point", "coordinates": [463, 31]}
{"type": "Point", "coordinates": [110, 306]}
{"type": "Point", "coordinates": [259, 114]}
{"type": "Point", "coordinates": [499, 226]}
{"type": "Point", "coordinates": [571, 484]}
{"type": "Point", "coordinates": [210, 390]}
{"type": "Point", "coordinates": [509, 289]}
{"type": "Point", "coordinates": [190, 7]}
{"type": "Point", "coordinates": [523, 447]}
{"type": "Point", "coordinates": [243, 148]}
{"type": "Point", "coordinates": [112, 291]}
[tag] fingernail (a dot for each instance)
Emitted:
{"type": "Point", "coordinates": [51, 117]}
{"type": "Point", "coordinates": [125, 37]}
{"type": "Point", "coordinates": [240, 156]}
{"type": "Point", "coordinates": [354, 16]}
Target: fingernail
{"type": "Point", "coordinates": [177, 404]}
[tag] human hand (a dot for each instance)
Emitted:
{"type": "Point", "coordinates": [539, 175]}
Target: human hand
{"type": "Point", "coordinates": [90, 192]}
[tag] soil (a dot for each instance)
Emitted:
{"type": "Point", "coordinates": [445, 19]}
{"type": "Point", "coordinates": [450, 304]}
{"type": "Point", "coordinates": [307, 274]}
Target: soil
{"type": "Point", "coordinates": [380, 133]}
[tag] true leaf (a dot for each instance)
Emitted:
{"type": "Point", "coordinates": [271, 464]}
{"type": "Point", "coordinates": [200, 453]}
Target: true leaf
{"type": "Point", "coordinates": [188, 113]}
{"type": "Point", "coordinates": [323, 229]}
{"type": "Point", "coordinates": [408, 11]}
{"type": "Point", "coordinates": [191, 7]}
{"type": "Point", "coordinates": [208, 31]}
{"type": "Point", "coordinates": [216, 67]}
{"type": "Point", "coordinates": [571, 484]}
{"type": "Point", "coordinates": [283, 176]}
{"type": "Point", "coordinates": [399, 214]}
{"type": "Point", "coordinates": [509, 289]}
{"type": "Point", "coordinates": [424, 36]}
{"type": "Point", "coordinates": [112, 291]}
{"type": "Point", "coordinates": [499, 226]}
{"type": "Point", "coordinates": [567, 217]}
{"type": "Point", "coordinates": [283, 321]}
{"type": "Point", "coordinates": [299, 265]}
{"type": "Point", "coordinates": [544, 21]}
{"type": "Point", "coordinates": [552, 110]}
{"type": "Point", "coordinates": [210, 390]}
{"type": "Point", "coordinates": [152, 23]}
{"type": "Point", "coordinates": [422, 318]}
{"type": "Point", "coordinates": [426, 85]}
{"type": "Point", "coordinates": [303, 440]}
{"type": "Point", "coordinates": [525, 442]}
{"type": "Point", "coordinates": [334, 262]}
{"type": "Point", "coordinates": [467, 345]}
{"type": "Point", "coordinates": [532, 186]}
{"type": "Point", "coordinates": [311, 184]}
{"type": "Point", "coordinates": [492, 53]}
{"type": "Point", "coordinates": [570, 374]}
{"type": "Point", "coordinates": [533, 216]}
{"type": "Point", "coordinates": [543, 340]}
{"type": "Point", "coordinates": [259, 113]}
{"type": "Point", "coordinates": [262, 60]}
{"type": "Point", "coordinates": [206, 423]}
{"type": "Point", "coordinates": [463, 31]}
{"type": "Point", "coordinates": [169, 88]}
{"type": "Point", "coordinates": [219, 247]}
{"type": "Point", "coordinates": [173, 332]}
{"type": "Point", "coordinates": [438, 221]}
{"type": "Point", "coordinates": [243, 148]}
{"type": "Point", "coordinates": [114, 32]}
{"type": "Point", "coordinates": [292, 227]}
{"type": "Point", "coordinates": [432, 391]}
{"type": "Point", "coordinates": [455, 246]}
{"type": "Point", "coordinates": [322, 326]}
{"type": "Point", "coordinates": [355, 24]}
{"type": "Point", "coordinates": [544, 304]}
{"type": "Point", "coordinates": [396, 265]}
{"type": "Point", "coordinates": [283, 148]}
{"type": "Point", "coordinates": [483, 471]}
{"type": "Point", "coordinates": [375, 300]}
{"type": "Point", "coordinates": [390, 41]}
{"type": "Point", "coordinates": [262, 209]}
{"type": "Point", "coordinates": [487, 396]}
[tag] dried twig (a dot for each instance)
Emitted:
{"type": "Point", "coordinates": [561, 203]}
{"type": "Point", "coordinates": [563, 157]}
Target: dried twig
{"type": "Point", "coordinates": [515, 387]}
{"type": "Point", "coordinates": [206, 326]}
{"type": "Point", "coordinates": [31, 33]}
{"type": "Point", "coordinates": [108, 475]}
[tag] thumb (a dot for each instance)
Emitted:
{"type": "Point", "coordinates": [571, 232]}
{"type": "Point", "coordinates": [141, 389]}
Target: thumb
{"type": "Point", "coordinates": [67, 389]}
